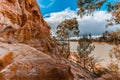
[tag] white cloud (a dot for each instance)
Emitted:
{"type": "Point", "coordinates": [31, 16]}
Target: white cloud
{"type": "Point", "coordinates": [88, 24]}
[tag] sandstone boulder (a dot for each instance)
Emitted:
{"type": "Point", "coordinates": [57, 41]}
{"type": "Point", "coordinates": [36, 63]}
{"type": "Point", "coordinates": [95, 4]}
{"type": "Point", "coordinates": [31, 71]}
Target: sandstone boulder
{"type": "Point", "coordinates": [30, 64]}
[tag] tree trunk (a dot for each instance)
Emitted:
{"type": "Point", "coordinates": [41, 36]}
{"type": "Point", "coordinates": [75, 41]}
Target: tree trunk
{"type": "Point", "coordinates": [68, 47]}
{"type": "Point", "coordinates": [84, 61]}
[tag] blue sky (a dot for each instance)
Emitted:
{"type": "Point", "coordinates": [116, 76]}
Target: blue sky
{"type": "Point", "coordinates": [58, 10]}
{"type": "Point", "coordinates": [56, 5]}
{"type": "Point", "coordinates": [49, 6]}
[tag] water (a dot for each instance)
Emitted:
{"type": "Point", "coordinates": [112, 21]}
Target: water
{"type": "Point", "coordinates": [101, 52]}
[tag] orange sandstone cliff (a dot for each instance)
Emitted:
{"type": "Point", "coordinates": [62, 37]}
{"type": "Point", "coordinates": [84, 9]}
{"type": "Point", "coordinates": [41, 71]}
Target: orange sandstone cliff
{"type": "Point", "coordinates": [27, 52]}
{"type": "Point", "coordinates": [22, 22]}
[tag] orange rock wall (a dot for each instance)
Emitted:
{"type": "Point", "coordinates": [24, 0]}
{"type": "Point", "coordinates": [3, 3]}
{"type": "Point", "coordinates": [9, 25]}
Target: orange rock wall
{"type": "Point", "coordinates": [21, 20]}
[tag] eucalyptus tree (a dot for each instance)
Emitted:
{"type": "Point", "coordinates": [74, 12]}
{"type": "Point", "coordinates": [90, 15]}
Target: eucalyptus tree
{"type": "Point", "coordinates": [88, 7]}
{"type": "Point", "coordinates": [85, 47]}
{"type": "Point", "coordinates": [69, 27]}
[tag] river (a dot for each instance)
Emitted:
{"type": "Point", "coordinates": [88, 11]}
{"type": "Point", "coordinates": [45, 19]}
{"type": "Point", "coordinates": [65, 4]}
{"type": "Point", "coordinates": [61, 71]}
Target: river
{"type": "Point", "coordinates": [101, 52]}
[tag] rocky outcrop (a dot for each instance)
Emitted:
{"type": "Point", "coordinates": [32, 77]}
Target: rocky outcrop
{"type": "Point", "coordinates": [22, 26]}
{"type": "Point", "coordinates": [22, 22]}
{"type": "Point", "coordinates": [73, 57]}
{"type": "Point", "coordinates": [5, 59]}
{"type": "Point", "coordinates": [27, 63]}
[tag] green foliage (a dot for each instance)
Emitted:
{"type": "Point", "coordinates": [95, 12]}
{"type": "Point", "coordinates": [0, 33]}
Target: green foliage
{"type": "Point", "coordinates": [112, 7]}
{"type": "Point", "coordinates": [114, 71]}
{"type": "Point", "coordinates": [114, 37]}
{"type": "Point", "coordinates": [85, 47]}
{"type": "Point", "coordinates": [67, 28]}
{"type": "Point", "coordinates": [115, 52]}
{"type": "Point", "coordinates": [100, 72]}
{"type": "Point", "coordinates": [104, 37]}
{"type": "Point", "coordinates": [114, 68]}
{"type": "Point", "coordinates": [88, 6]}
{"type": "Point", "coordinates": [115, 9]}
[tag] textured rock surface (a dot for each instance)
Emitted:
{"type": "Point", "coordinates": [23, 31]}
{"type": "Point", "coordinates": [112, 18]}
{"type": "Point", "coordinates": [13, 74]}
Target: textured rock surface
{"type": "Point", "coordinates": [25, 62]}
{"type": "Point", "coordinates": [28, 63]}
{"type": "Point", "coordinates": [21, 22]}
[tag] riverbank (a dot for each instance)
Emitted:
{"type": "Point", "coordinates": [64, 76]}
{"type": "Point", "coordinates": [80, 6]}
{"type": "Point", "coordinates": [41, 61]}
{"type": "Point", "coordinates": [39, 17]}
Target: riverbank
{"type": "Point", "coordinates": [101, 51]}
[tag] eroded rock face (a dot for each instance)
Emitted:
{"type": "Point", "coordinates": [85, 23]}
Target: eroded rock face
{"type": "Point", "coordinates": [27, 63]}
{"type": "Point", "coordinates": [22, 22]}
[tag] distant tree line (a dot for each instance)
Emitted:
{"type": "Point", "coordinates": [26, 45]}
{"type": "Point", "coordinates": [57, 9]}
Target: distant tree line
{"type": "Point", "coordinates": [109, 37]}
